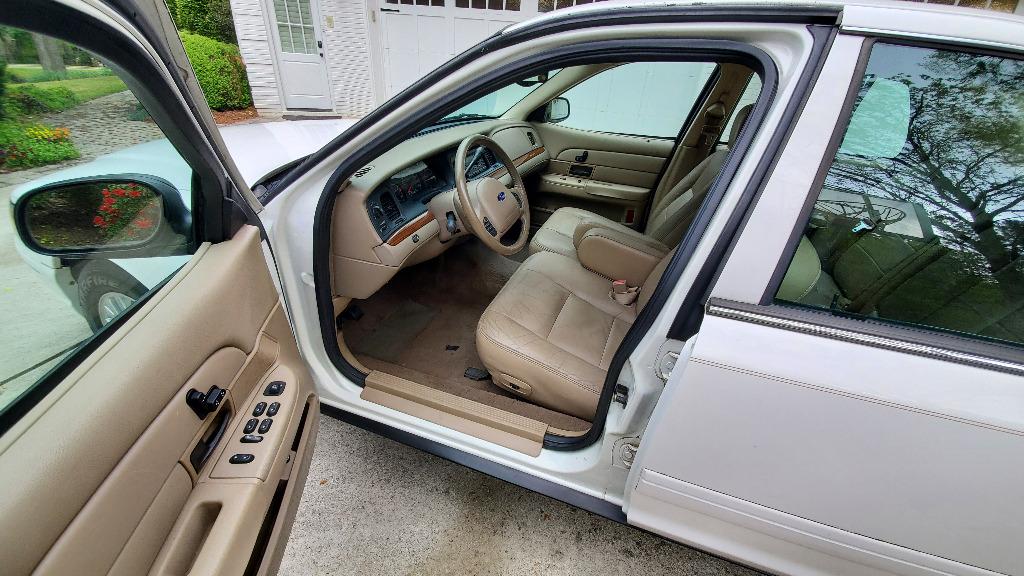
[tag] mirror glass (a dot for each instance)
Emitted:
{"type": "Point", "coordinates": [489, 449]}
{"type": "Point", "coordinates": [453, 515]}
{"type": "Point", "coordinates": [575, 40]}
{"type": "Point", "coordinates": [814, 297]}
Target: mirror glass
{"type": "Point", "coordinates": [558, 110]}
{"type": "Point", "coordinates": [93, 216]}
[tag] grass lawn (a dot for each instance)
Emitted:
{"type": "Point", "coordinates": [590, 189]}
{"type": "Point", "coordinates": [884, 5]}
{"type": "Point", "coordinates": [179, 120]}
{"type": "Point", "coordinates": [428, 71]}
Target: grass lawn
{"type": "Point", "coordinates": [86, 89]}
{"type": "Point", "coordinates": [20, 73]}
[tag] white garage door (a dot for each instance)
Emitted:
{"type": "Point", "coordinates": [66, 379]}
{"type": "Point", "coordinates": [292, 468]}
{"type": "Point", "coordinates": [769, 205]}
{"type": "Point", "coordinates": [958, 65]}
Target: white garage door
{"type": "Point", "coordinates": [420, 35]}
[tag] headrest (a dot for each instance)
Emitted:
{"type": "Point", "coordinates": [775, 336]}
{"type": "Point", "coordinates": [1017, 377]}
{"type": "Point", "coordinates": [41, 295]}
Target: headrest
{"type": "Point", "coordinates": [737, 123]}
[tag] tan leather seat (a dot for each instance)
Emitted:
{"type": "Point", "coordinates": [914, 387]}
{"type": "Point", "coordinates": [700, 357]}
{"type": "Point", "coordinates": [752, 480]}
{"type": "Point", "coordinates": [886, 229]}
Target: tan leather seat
{"type": "Point", "coordinates": [669, 220]}
{"type": "Point", "coordinates": [550, 334]}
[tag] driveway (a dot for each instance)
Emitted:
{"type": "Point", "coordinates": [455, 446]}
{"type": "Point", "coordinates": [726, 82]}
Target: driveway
{"type": "Point", "coordinates": [374, 506]}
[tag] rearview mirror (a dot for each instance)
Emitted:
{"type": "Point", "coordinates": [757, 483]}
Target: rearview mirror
{"type": "Point", "coordinates": [121, 217]}
{"type": "Point", "coordinates": [556, 110]}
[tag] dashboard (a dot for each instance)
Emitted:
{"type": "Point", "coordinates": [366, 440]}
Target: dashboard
{"type": "Point", "coordinates": [404, 195]}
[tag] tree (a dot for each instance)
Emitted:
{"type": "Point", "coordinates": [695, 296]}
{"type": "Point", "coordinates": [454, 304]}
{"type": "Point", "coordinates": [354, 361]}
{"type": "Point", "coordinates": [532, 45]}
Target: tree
{"type": "Point", "coordinates": [963, 160]}
{"type": "Point", "coordinates": [50, 52]}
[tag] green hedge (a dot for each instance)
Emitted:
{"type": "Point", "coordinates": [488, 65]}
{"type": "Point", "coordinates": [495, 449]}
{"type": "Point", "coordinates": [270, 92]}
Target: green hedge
{"type": "Point", "coordinates": [27, 99]}
{"type": "Point", "coordinates": [24, 146]}
{"type": "Point", "coordinates": [219, 70]}
{"type": "Point", "coordinates": [210, 18]}
{"type": "Point", "coordinates": [3, 88]}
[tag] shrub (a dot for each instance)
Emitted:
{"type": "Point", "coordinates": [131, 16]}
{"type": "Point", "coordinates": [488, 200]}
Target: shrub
{"type": "Point", "coordinates": [28, 99]}
{"type": "Point", "coordinates": [37, 74]}
{"type": "Point", "coordinates": [27, 146]}
{"type": "Point", "coordinates": [190, 14]}
{"type": "Point", "coordinates": [3, 87]}
{"type": "Point", "coordinates": [217, 23]}
{"type": "Point", "coordinates": [219, 71]}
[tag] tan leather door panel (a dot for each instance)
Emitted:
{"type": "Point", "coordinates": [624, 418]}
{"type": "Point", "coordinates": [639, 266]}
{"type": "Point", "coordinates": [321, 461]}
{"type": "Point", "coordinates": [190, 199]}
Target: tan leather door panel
{"type": "Point", "coordinates": [609, 174]}
{"type": "Point", "coordinates": [99, 477]}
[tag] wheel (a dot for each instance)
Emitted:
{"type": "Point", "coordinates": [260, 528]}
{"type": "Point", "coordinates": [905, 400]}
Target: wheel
{"type": "Point", "coordinates": [498, 215]}
{"type": "Point", "coordinates": [105, 291]}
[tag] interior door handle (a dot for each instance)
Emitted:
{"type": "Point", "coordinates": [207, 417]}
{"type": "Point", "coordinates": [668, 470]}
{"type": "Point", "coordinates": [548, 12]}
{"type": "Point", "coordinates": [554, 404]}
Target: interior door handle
{"type": "Point", "coordinates": [204, 448]}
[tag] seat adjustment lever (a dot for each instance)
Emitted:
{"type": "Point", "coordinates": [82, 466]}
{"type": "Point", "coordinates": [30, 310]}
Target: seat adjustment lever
{"type": "Point", "coordinates": [204, 404]}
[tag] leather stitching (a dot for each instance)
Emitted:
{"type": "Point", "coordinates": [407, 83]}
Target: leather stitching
{"type": "Point", "coordinates": [546, 367]}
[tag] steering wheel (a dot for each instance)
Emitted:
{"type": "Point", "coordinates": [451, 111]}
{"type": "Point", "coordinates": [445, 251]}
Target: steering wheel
{"type": "Point", "coordinates": [487, 206]}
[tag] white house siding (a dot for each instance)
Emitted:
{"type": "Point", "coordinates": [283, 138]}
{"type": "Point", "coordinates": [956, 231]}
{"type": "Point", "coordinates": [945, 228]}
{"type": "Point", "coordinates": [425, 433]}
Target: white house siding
{"type": "Point", "coordinates": [347, 45]}
{"type": "Point", "coordinates": [254, 45]}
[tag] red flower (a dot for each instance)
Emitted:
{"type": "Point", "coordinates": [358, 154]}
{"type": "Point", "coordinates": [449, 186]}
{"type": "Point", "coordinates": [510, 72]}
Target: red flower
{"type": "Point", "coordinates": [106, 192]}
{"type": "Point", "coordinates": [135, 193]}
{"type": "Point", "coordinates": [108, 201]}
{"type": "Point", "coordinates": [98, 221]}
{"type": "Point", "coordinates": [118, 191]}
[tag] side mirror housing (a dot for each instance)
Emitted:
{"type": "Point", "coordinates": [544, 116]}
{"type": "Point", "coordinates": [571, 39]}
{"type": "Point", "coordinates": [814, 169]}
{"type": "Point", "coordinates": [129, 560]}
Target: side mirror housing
{"type": "Point", "coordinates": [556, 110]}
{"type": "Point", "coordinates": [120, 216]}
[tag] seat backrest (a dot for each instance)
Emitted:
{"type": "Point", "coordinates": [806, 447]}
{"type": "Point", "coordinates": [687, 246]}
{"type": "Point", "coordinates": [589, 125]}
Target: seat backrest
{"type": "Point", "coordinates": [647, 288]}
{"type": "Point", "coordinates": [671, 217]}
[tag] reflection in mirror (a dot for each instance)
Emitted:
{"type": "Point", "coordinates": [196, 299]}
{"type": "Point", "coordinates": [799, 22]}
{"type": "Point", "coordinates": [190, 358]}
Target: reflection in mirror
{"type": "Point", "coordinates": [93, 216]}
{"type": "Point", "coordinates": [557, 110]}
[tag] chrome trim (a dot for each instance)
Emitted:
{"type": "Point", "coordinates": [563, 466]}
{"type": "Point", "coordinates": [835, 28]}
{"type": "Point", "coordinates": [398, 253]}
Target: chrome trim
{"type": "Point", "coordinates": [936, 38]}
{"type": "Point", "coordinates": [855, 337]}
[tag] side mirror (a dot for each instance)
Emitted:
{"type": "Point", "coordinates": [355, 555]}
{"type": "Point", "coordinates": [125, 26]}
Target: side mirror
{"type": "Point", "coordinates": [111, 216]}
{"type": "Point", "coordinates": [556, 110]}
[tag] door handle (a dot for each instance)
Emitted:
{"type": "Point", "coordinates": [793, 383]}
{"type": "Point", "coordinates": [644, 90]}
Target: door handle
{"type": "Point", "coordinates": [204, 448]}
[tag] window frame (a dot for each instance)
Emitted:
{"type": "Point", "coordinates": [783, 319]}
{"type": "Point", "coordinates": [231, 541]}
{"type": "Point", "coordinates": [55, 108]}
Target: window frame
{"type": "Point", "coordinates": [218, 208]}
{"type": "Point", "coordinates": [687, 118]}
{"type": "Point", "coordinates": [931, 341]}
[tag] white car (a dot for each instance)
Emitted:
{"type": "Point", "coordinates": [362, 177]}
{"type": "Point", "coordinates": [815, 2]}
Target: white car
{"type": "Point", "coordinates": [746, 275]}
{"type": "Point", "coordinates": [103, 288]}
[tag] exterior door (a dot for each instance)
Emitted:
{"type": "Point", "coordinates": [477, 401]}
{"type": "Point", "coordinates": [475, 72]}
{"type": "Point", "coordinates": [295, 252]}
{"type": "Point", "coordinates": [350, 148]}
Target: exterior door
{"type": "Point", "coordinates": [300, 55]}
{"type": "Point", "coordinates": [420, 36]}
{"type": "Point", "coordinates": [174, 435]}
{"type": "Point", "coordinates": [853, 402]}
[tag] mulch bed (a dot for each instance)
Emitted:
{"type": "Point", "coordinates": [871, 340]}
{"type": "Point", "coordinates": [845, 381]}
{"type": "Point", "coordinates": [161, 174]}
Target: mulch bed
{"type": "Point", "coordinates": [234, 116]}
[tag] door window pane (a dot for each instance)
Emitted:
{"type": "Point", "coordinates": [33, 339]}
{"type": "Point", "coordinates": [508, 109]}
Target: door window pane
{"type": "Point", "coordinates": [84, 171]}
{"type": "Point", "coordinates": [295, 26]}
{"type": "Point", "coordinates": [921, 216]}
{"type": "Point", "coordinates": [641, 98]}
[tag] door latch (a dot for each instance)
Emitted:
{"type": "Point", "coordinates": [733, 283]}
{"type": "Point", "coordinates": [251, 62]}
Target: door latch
{"type": "Point", "coordinates": [666, 364]}
{"type": "Point", "coordinates": [204, 404]}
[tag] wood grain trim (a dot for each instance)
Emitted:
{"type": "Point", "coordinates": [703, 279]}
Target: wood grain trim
{"type": "Point", "coordinates": [520, 161]}
{"type": "Point", "coordinates": [410, 229]}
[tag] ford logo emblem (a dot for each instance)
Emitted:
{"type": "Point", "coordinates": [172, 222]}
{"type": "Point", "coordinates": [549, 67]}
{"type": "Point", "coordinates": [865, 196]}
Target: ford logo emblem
{"type": "Point", "coordinates": [501, 196]}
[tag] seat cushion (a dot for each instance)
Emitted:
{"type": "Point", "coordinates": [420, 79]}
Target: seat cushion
{"type": "Point", "coordinates": [556, 235]}
{"type": "Point", "coordinates": [551, 332]}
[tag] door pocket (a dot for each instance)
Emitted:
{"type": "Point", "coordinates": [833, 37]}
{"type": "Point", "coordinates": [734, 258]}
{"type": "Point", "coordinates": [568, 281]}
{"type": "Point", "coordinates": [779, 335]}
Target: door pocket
{"type": "Point", "coordinates": [581, 170]}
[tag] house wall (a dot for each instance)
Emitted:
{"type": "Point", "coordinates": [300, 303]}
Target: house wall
{"type": "Point", "coordinates": [346, 34]}
{"type": "Point", "coordinates": [251, 27]}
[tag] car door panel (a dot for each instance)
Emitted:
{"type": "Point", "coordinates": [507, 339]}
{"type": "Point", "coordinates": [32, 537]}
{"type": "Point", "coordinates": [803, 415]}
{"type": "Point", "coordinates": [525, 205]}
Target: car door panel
{"type": "Point", "coordinates": [109, 451]}
{"type": "Point", "coordinates": [609, 174]}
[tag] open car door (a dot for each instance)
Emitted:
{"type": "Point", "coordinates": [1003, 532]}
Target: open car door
{"type": "Point", "coordinates": [175, 436]}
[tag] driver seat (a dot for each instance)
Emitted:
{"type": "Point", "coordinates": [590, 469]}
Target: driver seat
{"type": "Point", "coordinates": [550, 334]}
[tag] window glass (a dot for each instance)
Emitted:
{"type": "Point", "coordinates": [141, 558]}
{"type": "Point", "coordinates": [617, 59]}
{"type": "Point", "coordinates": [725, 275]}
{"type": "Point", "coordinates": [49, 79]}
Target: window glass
{"type": "Point", "coordinates": [921, 216]}
{"type": "Point", "coordinates": [749, 96]}
{"type": "Point", "coordinates": [640, 98]}
{"type": "Point", "coordinates": [82, 168]}
{"type": "Point", "coordinates": [496, 103]}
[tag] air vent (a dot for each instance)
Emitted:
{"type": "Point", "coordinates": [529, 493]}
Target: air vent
{"type": "Point", "coordinates": [387, 203]}
{"type": "Point", "coordinates": [363, 171]}
{"type": "Point", "coordinates": [533, 139]}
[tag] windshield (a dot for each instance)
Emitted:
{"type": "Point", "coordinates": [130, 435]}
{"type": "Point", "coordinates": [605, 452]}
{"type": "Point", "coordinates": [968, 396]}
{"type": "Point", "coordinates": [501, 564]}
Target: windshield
{"type": "Point", "coordinates": [498, 102]}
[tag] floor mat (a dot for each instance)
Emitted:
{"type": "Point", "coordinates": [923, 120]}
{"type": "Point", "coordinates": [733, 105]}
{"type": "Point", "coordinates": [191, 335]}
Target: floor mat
{"type": "Point", "coordinates": [395, 334]}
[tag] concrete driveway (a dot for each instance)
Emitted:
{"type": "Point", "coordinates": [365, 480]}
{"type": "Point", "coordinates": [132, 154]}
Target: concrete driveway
{"type": "Point", "coordinates": [374, 506]}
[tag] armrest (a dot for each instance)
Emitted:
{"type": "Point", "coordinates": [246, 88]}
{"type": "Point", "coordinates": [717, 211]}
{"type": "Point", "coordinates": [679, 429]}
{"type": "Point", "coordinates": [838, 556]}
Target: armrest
{"type": "Point", "coordinates": [618, 255]}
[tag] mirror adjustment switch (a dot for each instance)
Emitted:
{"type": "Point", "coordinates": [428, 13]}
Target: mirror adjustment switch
{"type": "Point", "coordinates": [274, 407]}
{"type": "Point", "coordinates": [265, 425]}
{"type": "Point", "coordinates": [241, 459]}
{"type": "Point", "coordinates": [275, 388]}
{"type": "Point", "coordinates": [258, 410]}
{"type": "Point", "coordinates": [250, 425]}
{"type": "Point", "coordinates": [251, 439]}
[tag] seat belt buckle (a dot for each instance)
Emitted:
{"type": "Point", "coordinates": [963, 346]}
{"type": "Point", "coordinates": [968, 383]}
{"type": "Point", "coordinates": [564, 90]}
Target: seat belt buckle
{"type": "Point", "coordinates": [624, 293]}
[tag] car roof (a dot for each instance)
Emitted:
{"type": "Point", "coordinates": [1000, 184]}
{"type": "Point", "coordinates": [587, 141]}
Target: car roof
{"type": "Point", "coordinates": [258, 149]}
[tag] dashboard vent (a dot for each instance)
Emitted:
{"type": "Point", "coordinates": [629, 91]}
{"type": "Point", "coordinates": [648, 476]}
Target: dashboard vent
{"type": "Point", "coordinates": [363, 171]}
{"type": "Point", "coordinates": [391, 211]}
{"type": "Point", "coordinates": [533, 139]}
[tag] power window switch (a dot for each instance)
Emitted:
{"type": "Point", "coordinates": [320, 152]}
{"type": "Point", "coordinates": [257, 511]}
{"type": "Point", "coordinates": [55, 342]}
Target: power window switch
{"type": "Point", "coordinates": [250, 425]}
{"type": "Point", "coordinates": [275, 388]}
{"type": "Point", "coordinates": [258, 410]}
{"type": "Point", "coordinates": [274, 407]}
{"type": "Point", "coordinates": [265, 425]}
